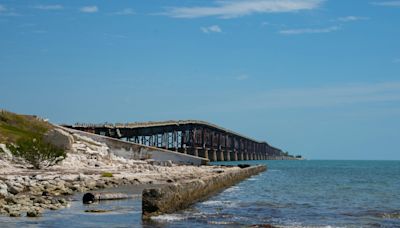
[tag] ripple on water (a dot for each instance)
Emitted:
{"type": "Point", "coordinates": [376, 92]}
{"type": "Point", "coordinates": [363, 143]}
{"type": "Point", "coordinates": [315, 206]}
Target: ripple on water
{"type": "Point", "coordinates": [216, 203]}
{"type": "Point", "coordinates": [169, 217]}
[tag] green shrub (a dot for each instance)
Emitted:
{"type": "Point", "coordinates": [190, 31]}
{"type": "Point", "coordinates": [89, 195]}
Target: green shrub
{"type": "Point", "coordinates": [36, 152]}
{"type": "Point", "coordinates": [107, 174]}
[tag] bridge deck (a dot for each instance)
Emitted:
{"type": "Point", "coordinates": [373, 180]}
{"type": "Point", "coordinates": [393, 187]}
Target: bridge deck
{"type": "Point", "coordinates": [195, 137]}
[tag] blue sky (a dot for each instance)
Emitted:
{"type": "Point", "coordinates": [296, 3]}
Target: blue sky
{"type": "Point", "coordinates": [313, 77]}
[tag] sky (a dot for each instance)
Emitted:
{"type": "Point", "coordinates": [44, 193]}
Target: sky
{"type": "Point", "coordinates": [320, 78]}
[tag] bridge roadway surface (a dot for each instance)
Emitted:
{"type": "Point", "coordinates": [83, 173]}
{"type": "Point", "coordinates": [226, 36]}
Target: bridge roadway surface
{"type": "Point", "coordinates": [198, 138]}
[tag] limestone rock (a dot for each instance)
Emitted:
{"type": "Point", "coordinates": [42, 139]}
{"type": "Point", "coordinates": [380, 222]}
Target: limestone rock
{"type": "Point", "coordinates": [15, 189]}
{"type": "Point", "coordinates": [3, 190]}
{"type": "Point", "coordinates": [33, 213]}
{"type": "Point", "coordinates": [59, 138]}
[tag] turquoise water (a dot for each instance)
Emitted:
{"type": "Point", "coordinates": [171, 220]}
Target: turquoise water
{"type": "Point", "coordinates": [304, 194]}
{"type": "Point", "coordinates": [289, 194]}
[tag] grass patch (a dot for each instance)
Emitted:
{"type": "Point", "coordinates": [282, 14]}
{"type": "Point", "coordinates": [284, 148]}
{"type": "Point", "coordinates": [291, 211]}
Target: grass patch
{"type": "Point", "coordinates": [14, 126]}
{"type": "Point", "coordinates": [107, 174]}
{"type": "Point", "coordinates": [23, 135]}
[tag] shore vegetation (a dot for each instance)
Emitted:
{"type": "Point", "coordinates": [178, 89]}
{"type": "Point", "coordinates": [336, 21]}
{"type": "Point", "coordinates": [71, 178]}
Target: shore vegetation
{"type": "Point", "coordinates": [23, 136]}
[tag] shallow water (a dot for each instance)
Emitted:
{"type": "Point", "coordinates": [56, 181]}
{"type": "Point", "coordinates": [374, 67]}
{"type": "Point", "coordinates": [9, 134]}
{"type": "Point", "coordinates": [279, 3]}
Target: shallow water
{"type": "Point", "coordinates": [304, 194]}
{"type": "Point", "coordinates": [290, 194]}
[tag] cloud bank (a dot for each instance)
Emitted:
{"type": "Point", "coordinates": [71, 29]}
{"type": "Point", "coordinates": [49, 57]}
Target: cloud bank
{"type": "Point", "coordinates": [239, 8]}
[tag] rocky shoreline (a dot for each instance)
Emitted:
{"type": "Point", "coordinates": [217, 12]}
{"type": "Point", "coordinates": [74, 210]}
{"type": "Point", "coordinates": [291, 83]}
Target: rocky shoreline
{"type": "Point", "coordinates": [28, 192]}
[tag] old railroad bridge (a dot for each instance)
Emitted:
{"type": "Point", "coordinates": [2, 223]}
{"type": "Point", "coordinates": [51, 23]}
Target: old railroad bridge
{"type": "Point", "coordinates": [198, 138]}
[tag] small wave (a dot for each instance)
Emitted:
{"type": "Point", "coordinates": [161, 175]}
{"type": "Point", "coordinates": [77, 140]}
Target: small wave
{"type": "Point", "coordinates": [168, 218]}
{"type": "Point", "coordinates": [219, 203]}
{"type": "Point", "coordinates": [394, 215]}
{"type": "Point", "coordinates": [222, 222]}
{"type": "Point", "coordinates": [274, 170]}
{"type": "Point", "coordinates": [253, 179]}
{"type": "Point", "coordinates": [233, 189]}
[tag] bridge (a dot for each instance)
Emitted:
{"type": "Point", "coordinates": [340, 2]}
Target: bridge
{"type": "Point", "coordinates": [198, 138]}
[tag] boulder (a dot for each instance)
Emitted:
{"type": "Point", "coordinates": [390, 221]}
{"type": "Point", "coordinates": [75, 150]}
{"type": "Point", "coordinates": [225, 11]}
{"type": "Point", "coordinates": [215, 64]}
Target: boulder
{"type": "Point", "coordinates": [33, 213]}
{"type": "Point", "coordinates": [59, 138]}
{"type": "Point", "coordinates": [15, 189]}
{"type": "Point", "coordinates": [3, 190]}
{"type": "Point", "coordinates": [15, 214]}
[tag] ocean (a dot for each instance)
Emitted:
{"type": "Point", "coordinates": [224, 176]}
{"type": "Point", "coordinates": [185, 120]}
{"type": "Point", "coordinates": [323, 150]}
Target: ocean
{"type": "Point", "coordinates": [306, 193]}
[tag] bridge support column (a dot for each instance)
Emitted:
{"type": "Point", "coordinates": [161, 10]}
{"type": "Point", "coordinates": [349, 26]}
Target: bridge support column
{"type": "Point", "coordinates": [251, 156]}
{"type": "Point", "coordinates": [247, 156]}
{"type": "Point", "coordinates": [213, 155]}
{"type": "Point", "coordinates": [241, 156]}
{"type": "Point", "coordinates": [235, 156]}
{"type": "Point", "coordinates": [221, 155]}
{"type": "Point", "coordinates": [204, 153]}
{"type": "Point", "coordinates": [227, 155]}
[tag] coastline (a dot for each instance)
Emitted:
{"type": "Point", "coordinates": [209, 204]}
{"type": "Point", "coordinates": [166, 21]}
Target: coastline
{"type": "Point", "coordinates": [29, 192]}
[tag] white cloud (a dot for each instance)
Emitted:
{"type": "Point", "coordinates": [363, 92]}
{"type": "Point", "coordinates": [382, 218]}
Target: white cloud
{"type": "Point", "coordinates": [351, 18]}
{"type": "Point", "coordinates": [387, 3]}
{"type": "Point", "coordinates": [49, 7]}
{"type": "Point", "coordinates": [242, 77]}
{"type": "Point", "coordinates": [211, 29]}
{"type": "Point", "coordinates": [4, 11]}
{"type": "Point", "coordinates": [126, 11]}
{"type": "Point", "coordinates": [238, 8]}
{"type": "Point", "coordinates": [313, 97]}
{"type": "Point", "coordinates": [89, 9]}
{"type": "Point", "coordinates": [309, 30]}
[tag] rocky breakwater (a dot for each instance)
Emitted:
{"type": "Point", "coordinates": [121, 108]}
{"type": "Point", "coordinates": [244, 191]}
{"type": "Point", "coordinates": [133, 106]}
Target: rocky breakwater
{"type": "Point", "coordinates": [173, 197]}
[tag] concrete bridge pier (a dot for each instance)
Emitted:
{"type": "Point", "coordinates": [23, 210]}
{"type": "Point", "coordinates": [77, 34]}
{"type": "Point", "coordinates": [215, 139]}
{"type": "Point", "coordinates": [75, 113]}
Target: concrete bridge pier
{"type": "Point", "coordinates": [227, 155]}
{"type": "Point", "coordinates": [204, 153]}
{"type": "Point", "coordinates": [212, 155]}
{"type": "Point", "coordinates": [247, 156]}
{"type": "Point", "coordinates": [241, 156]}
{"type": "Point", "coordinates": [235, 156]}
{"type": "Point", "coordinates": [251, 156]}
{"type": "Point", "coordinates": [221, 155]}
